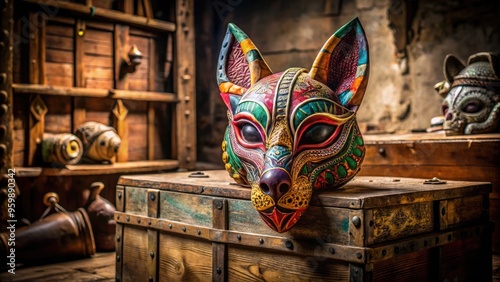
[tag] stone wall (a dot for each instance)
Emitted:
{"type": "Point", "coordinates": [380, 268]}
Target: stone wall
{"type": "Point", "coordinates": [408, 41]}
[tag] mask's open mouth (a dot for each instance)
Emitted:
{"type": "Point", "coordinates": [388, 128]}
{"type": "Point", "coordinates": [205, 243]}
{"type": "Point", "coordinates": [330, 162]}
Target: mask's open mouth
{"type": "Point", "coordinates": [280, 219]}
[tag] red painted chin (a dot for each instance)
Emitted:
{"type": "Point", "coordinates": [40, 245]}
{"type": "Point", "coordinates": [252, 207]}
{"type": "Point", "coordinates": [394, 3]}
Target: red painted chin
{"type": "Point", "coordinates": [279, 219]}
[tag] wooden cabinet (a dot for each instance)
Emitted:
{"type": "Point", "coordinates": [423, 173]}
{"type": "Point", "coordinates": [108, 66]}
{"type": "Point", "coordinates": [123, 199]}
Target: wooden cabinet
{"type": "Point", "coordinates": [73, 63]}
{"type": "Point", "coordinates": [466, 158]}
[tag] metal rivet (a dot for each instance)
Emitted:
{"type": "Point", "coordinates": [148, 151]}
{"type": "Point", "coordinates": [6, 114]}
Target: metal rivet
{"type": "Point", "coordinates": [4, 109]}
{"type": "Point", "coordinates": [198, 232]}
{"type": "Point", "coordinates": [218, 270]}
{"type": "Point", "coordinates": [3, 130]}
{"type": "Point", "coordinates": [289, 244]}
{"type": "Point", "coordinates": [151, 279]}
{"type": "Point", "coordinates": [119, 196]}
{"type": "Point", "coordinates": [183, 229]}
{"type": "Point", "coordinates": [3, 96]}
{"type": "Point", "coordinates": [152, 254]}
{"type": "Point", "coordinates": [261, 240]}
{"type": "Point", "coordinates": [331, 250]}
{"type": "Point", "coordinates": [3, 149]}
{"type": "Point", "coordinates": [170, 226]}
{"type": "Point", "coordinates": [238, 237]}
{"type": "Point", "coordinates": [117, 238]}
{"type": "Point", "coordinates": [359, 255]}
{"type": "Point", "coordinates": [127, 218]}
{"type": "Point", "coordinates": [382, 151]}
{"type": "Point", "coordinates": [149, 222]}
{"type": "Point", "coordinates": [118, 258]}
{"type": "Point", "coordinates": [356, 221]}
{"type": "Point", "coordinates": [219, 205]}
{"type": "Point", "coordinates": [198, 174]}
{"type": "Point", "coordinates": [152, 196]}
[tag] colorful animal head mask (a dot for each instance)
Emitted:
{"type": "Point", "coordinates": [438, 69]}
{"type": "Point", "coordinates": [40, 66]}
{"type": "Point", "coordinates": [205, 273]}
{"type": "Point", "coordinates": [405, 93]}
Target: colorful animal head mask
{"type": "Point", "coordinates": [472, 94]}
{"type": "Point", "coordinates": [293, 132]}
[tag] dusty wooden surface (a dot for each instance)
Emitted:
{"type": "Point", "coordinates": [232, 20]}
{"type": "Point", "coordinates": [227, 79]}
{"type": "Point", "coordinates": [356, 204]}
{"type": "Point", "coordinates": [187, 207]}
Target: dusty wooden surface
{"type": "Point", "coordinates": [361, 192]}
{"type": "Point", "coordinates": [101, 267]}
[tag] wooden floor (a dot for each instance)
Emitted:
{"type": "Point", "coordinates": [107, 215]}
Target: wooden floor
{"type": "Point", "coordinates": [102, 268]}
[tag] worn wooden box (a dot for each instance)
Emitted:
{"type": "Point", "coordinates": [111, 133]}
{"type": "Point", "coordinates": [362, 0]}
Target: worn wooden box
{"type": "Point", "coordinates": [428, 155]}
{"type": "Point", "coordinates": [183, 227]}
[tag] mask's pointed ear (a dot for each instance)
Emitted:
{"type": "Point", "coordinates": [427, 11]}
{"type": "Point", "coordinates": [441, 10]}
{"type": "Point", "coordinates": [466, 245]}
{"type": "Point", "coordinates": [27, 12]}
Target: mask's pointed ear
{"type": "Point", "coordinates": [342, 64]}
{"type": "Point", "coordinates": [452, 67]}
{"type": "Point", "coordinates": [240, 65]}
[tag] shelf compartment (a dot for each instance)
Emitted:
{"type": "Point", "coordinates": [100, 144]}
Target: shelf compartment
{"type": "Point", "coordinates": [99, 169]}
{"type": "Point", "coordinates": [92, 92]}
{"type": "Point", "coordinates": [106, 14]}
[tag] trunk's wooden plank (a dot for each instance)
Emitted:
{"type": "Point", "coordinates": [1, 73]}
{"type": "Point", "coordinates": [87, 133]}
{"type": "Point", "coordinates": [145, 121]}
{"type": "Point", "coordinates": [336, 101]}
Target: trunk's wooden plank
{"type": "Point", "coordinates": [410, 267]}
{"type": "Point", "coordinates": [255, 264]}
{"type": "Point", "coordinates": [184, 259]}
{"type": "Point", "coordinates": [134, 251]}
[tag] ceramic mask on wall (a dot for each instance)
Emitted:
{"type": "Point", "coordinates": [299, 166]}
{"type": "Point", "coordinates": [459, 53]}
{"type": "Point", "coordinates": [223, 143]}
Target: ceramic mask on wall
{"type": "Point", "coordinates": [472, 94]}
{"type": "Point", "coordinates": [292, 133]}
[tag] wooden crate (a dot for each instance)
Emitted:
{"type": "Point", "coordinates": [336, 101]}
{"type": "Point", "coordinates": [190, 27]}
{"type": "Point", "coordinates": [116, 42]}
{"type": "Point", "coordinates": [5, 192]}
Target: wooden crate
{"type": "Point", "coordinates": [173, 227]}
{"type": "Point", "coordinates": [428, 155]}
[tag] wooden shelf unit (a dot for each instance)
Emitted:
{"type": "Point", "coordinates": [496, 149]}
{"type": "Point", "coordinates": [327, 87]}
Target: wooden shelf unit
{"type": "Point", "coordinates": [75, 56]}
{"type": "Point", "coordinates": [72, 65]}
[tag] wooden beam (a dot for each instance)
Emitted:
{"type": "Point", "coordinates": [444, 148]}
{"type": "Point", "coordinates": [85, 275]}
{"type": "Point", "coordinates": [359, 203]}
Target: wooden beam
{"type": "Point", "coordinates": [119, 115]}
{"type": "Point", "coordinates": [97, 93]}
{"type": "Point", "coordinates": [105, 14]}
{"type": "Point", "coordinates": [151, 131]}
{"type": "Point", "coordinates": [6, 104]}
{"type": "Point", "coordinates": [121, 39]}
{"type": "Point", "coordinates": [184, 70]}
{"type": "Point", "coordinates": [151, 108]}
{"type": "Point", "coordinates": [78, 116]}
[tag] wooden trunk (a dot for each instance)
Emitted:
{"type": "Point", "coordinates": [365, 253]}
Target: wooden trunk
{"type": "Point", "coordinates": [201, 227]}
{"type": "Point", "coordinates": [466, 158]}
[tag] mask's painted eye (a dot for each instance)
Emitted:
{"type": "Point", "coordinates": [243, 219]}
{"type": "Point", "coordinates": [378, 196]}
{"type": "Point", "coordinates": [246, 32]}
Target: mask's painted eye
{"type": "Point", "coordinates": [250, 134]}
{"type": "Point", "coordinates": [473, 107]}
{"type": "Point", "coordinates": [317, 134]}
